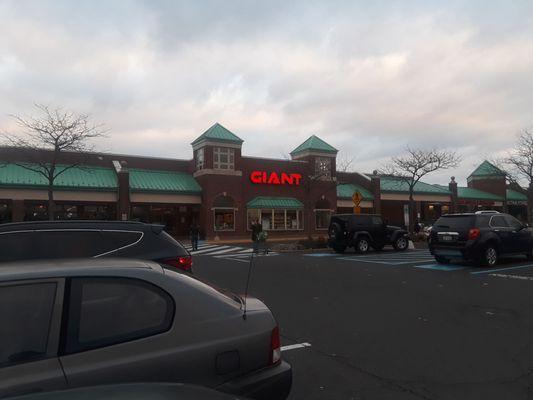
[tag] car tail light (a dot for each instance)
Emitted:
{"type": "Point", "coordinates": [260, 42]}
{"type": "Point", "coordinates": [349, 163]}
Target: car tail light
{"type": "Point", "coordinates": [275, 346]}
{"type": "Point", "coordinates": [181, 262]}
{"type": "Point", "coordinates": [473, 234]}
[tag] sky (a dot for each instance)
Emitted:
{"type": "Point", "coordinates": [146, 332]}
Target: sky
{"type": "Point", "coordinates": [368, 77]}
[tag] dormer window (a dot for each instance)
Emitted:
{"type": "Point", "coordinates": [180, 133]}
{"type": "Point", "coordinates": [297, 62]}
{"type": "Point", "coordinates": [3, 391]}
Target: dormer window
{"type": "Point", "coordinates": [200, 159]}
{"type": "Point", "coordinates": [323, 167]}
{"type": "Point", "coordinates": [223, 158]}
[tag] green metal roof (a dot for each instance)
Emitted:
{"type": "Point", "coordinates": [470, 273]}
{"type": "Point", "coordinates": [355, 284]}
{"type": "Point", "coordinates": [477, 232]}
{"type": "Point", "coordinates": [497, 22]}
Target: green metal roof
{"type": "Point", "coordinates": [399, 185]}
{"type": "Point", "coordinates": [76, 178]}
{"type": "Point", "coordinates": [314, 143]}
{"type": "Point", "coordinates": [218, 133]}
{"type": "Point", "coordinates": [513, 195]}
{"type": "Point", "coordinates": [487, 169]}
{"type": "Point", "coordinates": [476, 194]}
{"type": "Point", "coordinates": [275, 202]}
{"type": "Point", "coordinates": [143, 180]}
{"type": "Point", "coordinates": [346, 190]}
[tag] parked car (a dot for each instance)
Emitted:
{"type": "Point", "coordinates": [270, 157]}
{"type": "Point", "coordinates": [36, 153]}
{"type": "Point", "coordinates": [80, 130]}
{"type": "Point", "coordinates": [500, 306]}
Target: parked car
{"type": "Point", "coordinates": [362, 231]}
{"type": "Point", "coordinates": [86, 322]}
{"type": "Point", "coordinates": [72, 239]}
{"type": "Point", "coordinates": [481, 237]}
{"type": "Point", "coordinates": [132, 391]}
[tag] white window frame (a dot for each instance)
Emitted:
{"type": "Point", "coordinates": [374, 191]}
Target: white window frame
{"type": "Point", "coordinates": [200, 161]}
{"type": "Point", "coordinates": [230, 164]}
{"type": "Point", "coordinates": [322, 210]}
{"type": "Point", "coordinates": [318, 170]}
{"type": "Point", "coordinates": [215, 209]}
{"type": "Point", "coordinates": [271, 211]}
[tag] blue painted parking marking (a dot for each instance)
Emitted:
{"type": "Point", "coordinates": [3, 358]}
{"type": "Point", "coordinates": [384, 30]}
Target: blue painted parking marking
{"type": "Point", "coordinates": [488, 271]}
{"type": "Point", "coordinates": [440, 267]}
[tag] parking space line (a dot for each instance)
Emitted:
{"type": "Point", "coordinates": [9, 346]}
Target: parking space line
{"type": "Point", "coordinates": [295, 346]}
{"type": "Point", "coordinates": [440, 267]}
{"type": "Point", "coordinates": [524, 278]}
{"type": "Point", "coordinates": [488, 271]}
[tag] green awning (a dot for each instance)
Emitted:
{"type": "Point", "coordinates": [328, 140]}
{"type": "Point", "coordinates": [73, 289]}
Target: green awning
{"type": "Point", "coordinates": [399, 185]}
{"type": "Point", "coordinates": [143, 180]}
{"type": "Point", "coordinates": [346, 191]}
{"type": "Point", "coordinates": [76, 178]}
{"type": "Point", "coordinates": [513, 195]}
{"type": "Point", "coordinates": [284, 203]}
{"type": "Point", "coordinates": [476, 194]}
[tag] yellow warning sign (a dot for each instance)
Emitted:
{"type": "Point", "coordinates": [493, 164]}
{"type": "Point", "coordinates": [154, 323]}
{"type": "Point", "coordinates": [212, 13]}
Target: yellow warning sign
{"type": "Point", "coordinates": [357, 198]}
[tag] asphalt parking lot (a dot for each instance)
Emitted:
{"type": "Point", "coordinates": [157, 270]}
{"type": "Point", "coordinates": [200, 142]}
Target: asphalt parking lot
{"type": "Point", "coordinates": [392, 325]}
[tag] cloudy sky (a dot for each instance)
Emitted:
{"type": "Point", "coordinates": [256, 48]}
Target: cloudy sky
{"type": "Point", "coordinates": [369, 77]}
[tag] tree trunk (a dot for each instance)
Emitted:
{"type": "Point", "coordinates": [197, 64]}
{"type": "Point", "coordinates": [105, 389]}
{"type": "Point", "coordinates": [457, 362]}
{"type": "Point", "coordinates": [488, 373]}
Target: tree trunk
{"type": "Point", "coordinates": [51, 203]}
{"type": "Point", "coordinates": [412, 213]}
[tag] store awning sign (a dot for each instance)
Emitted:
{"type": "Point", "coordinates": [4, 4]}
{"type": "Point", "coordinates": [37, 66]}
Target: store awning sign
{"type": "Point", "coordinates": [275, 178]}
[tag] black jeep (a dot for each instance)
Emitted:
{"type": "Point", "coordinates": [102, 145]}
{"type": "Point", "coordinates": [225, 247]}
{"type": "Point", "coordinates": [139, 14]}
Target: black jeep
{"type": "Point", "coordinates": [362, 231]}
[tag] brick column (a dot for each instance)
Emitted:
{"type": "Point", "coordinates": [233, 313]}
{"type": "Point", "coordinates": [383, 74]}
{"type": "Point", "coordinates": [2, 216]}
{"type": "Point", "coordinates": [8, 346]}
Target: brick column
{"type": "Point", "coordinates": [123, 178]}
{"type": "Point", "coordinates": [18, 210]}
{"type": "Point", "coordinates": [376, 191]}
{"type": "Point", "coordinates": [452, 186]}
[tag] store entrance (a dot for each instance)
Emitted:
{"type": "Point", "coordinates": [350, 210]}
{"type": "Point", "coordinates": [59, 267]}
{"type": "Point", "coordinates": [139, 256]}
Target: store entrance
{"type": "Point", "coordinates": [177, 219]}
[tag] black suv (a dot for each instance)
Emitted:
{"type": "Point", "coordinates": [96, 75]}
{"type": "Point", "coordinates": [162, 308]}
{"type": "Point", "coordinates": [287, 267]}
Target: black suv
{"type": "Point", "coordinates": [362, 231]}
{"type": "Point", "coordinates": [79, 239]}
{"type": "Point", "coordinates": [480, 237]}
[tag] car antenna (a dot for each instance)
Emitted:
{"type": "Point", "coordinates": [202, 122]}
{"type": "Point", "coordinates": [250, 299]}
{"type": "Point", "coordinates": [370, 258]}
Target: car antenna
{"type": "Point", "coordinates": [250, 265]}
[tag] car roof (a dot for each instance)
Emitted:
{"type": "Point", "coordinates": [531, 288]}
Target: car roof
{"type": "Point", "coordinates": [78, 224]}
{"type": "Point", "coordinates": [33, 269]}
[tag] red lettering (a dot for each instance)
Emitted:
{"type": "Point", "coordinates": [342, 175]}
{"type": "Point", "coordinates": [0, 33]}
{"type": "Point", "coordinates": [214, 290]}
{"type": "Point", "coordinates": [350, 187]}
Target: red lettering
{"type": "Point", "coordinates": [286, 179]}
{"type": "Point", "coordinates": [255, 176]}
{"type": "Point", "coordinates": [264, 177]}
{"type": "Point", "coordinates": [274, 179]}
{"type": "Point", "coordinates": [296, 178]}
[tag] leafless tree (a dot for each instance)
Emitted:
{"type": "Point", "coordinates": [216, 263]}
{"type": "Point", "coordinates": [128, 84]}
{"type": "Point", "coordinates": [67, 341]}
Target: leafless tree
{"type": "Point", "coordinates": [414, 165]}
{"type": "Point", "coordinates": [55, 131]}
{"type": "Point", "coordinates": [520, 162]}
{"type": "Point", "coordinates": [345, 162]}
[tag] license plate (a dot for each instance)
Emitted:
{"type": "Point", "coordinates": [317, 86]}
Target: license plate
{"type": "Point", "coordinates": [447, 238]}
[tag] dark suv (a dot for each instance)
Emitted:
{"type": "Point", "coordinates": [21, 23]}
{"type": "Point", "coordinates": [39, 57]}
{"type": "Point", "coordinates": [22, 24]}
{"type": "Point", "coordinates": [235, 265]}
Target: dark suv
{"type": "Point", "coordinates": [480, 237]}
{"type": "Point", "coordinates": [80, 239]}
{"type": "Point", "coordinates": [362, 231]}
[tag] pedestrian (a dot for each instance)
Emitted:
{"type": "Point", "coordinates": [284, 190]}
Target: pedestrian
{"type": "Point", "coordinates": [256, 229]}
{"type": "Point", "coordinates": [195, 235]}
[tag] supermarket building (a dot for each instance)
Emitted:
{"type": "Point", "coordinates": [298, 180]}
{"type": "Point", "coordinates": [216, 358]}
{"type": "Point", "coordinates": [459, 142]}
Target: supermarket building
{"type": "Point", "coordinates": [225, 191]}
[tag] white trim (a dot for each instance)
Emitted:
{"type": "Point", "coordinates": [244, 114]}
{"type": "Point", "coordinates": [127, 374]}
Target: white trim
{"type": "Point", "coordinates": [86, 196]}
{"type": "Point", "coordinates": [446, 198]}
{"type": "Point", "coordinates": [212, 171]}
{"type": "Point", "coordinates": [164, 198]}
{"type": "Point", "coordinates": [218, 144]}
{"type": "Point", "coordinates": [349, 204]}
{"type": "Point", "coordinates": [313, 153]}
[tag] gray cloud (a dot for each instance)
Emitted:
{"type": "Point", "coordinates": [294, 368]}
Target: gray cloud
{"type": "Point", "coordinates": [370, 78]}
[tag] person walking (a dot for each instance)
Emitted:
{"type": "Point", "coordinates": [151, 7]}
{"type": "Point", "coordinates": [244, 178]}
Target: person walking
{"type": "Point", "coordinates": [256, 229]}
{"type": "Point", "coordinates": [194, 233]}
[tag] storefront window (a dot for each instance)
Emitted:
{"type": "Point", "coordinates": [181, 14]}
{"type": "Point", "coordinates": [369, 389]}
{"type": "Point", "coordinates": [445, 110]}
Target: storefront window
{"type": "Point", "coordinates": [252, 216]}
{"type": "Point", "coordinates": [322, 219]}
{"type": "Point", "coordinates": [5, 213]}
{"type": "Point", "coordinates": [224, 219]}
{"type": "Point", "coordinates": [278, 220]}
{"type": "Point", "coordinates": [36, 212]}
{"type": "Point", "coordinates": [223, 158]}
{"type": "Point", "coordinates": [200, 159]}
{"type": "Point", "coordinates": [323, 167]}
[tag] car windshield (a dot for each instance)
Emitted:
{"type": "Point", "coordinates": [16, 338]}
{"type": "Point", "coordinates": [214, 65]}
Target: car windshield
{"type": "Point", "coordinates": [455, 222]}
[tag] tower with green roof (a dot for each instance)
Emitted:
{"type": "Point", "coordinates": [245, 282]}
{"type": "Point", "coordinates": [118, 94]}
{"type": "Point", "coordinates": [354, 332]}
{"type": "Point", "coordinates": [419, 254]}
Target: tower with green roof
{"type": "Point", "coordinates": [320, 155]}
{"type": "Point", "coordinates": [489, 178]}
{"type": "Point", "coordinates": [217, 151]}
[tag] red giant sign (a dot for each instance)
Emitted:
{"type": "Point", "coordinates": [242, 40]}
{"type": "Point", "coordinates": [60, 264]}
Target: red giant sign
{"type": "Point", "coordinates": [273, 178]}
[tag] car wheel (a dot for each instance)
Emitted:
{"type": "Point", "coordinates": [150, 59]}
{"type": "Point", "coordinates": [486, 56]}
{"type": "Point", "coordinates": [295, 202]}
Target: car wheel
{"type": "Point", "coordinates": [401, 244]}
{"type": "Point", "coordinates": [362, 245]}
{"type": "Point", "coordinates": [442, 260]}
{"type": "Point", "coordinates": [489, 258]}
{"type": "Point", "coordinates": [339, 249]}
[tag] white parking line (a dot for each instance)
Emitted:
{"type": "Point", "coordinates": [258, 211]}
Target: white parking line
{"type": "Point", "coordinates": [524, 278]}
{"type": "Point", "coordinates": [225, 251]}
{"type": "Point", "coordinates": [295, 346]}
{"type": "Point", "coordinates": [208, 250]}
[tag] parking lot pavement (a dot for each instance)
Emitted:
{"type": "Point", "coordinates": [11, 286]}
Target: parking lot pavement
{"type": "Point", "coordinates": [234, 253]}
{"type": "Point", "coordinates": [391, 329]}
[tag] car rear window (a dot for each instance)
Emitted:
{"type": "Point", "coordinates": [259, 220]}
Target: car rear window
{"type": "Point", "coordinates": [455, 222]}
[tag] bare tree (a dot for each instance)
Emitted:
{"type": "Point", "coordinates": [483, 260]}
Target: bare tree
{"type": "Point", "coordinates": [345, 162]}
{"type": "Point", "coordinates": [55, 131]}
{"type": "Point", "coordinates": [414, 165]}
{"type": "Point", "coordinates": [520, 162]}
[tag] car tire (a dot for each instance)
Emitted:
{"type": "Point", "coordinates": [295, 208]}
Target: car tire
{"type": "Point", "coordinates": [362, 245]}
{"type": "Point", "coordinates": [442, 260]}
{"type": "Point", "coordinates": [401, 243]}
{"type": "Point", "coordinates": [335, 232]}
{"type": "Point", "coordinates": [489, 256]}
{"type": "Point", "coordinates": [339, 249]}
